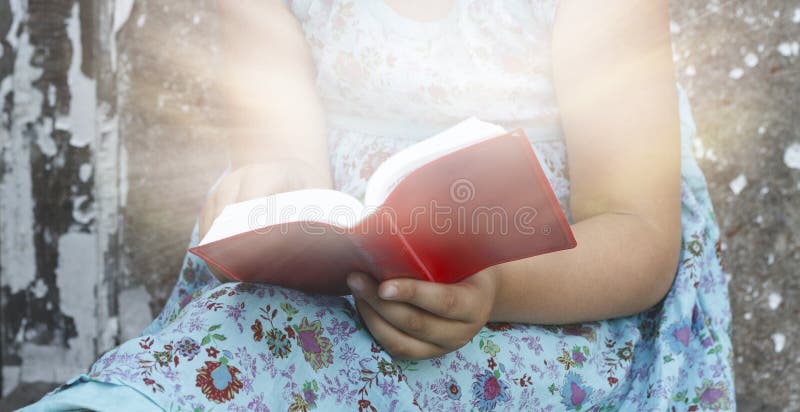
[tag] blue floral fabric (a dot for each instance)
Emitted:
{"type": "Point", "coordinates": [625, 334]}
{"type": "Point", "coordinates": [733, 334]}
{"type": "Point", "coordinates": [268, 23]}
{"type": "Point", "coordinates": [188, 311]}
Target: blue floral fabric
{"type": "Point", "coordinates": [240, 347]}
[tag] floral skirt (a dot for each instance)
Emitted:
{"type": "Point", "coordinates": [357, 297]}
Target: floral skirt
{"type": "Point", "coordinates": [237, 346]}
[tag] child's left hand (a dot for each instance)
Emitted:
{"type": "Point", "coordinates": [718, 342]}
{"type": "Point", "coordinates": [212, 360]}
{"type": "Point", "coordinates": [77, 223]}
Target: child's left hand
{"type": "Point", "coordinates": [415, 319]}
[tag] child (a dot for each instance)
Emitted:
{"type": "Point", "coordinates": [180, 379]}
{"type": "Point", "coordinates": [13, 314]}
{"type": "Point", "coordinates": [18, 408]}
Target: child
{"type": "Point", "coordinates": [323, 90]}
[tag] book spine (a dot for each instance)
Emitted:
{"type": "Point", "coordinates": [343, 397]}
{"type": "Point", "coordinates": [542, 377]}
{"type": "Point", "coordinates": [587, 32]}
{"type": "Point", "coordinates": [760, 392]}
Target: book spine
{"type": "Point", "coordinates": [387, 252]}
{"type": "Point", "coordinates": [425, 271]}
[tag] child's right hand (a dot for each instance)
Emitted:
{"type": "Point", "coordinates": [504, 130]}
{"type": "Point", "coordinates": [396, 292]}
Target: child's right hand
{"type": "Point", "coordinates": [259, 179]}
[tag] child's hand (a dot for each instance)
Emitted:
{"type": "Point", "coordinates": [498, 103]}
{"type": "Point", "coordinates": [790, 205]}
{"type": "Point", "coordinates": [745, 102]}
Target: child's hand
{"type": "Point", "coordinates": [415, 319]}
{"type": "Point", "coordinates": [255, 180]}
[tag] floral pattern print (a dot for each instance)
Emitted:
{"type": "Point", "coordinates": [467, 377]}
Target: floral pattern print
{"type": "Point", "coordinates": [218, 381]}
{"type": "Point", "coordinates": [574, 394]}
{"type": "Point", "coordinates": [188, 348]}
{"type": "Point", "coordinates": [317, 349]}
{"type": "Point", "coordinates": [713, 396]}
{"type": "Point", "coordinates": [453, 390]}
{"type": "Point", "coordinates": [244, 347]}
{"type": "Point", "coordinates": [488, 390]}
{"type": "Point", "coordinates": [307, 399]}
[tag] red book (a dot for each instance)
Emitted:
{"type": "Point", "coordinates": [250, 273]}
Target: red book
{"type": "Point", "coordinates": [441, 210]}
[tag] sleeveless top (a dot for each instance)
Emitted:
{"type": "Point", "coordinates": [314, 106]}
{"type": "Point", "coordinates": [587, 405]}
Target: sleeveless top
{"type": "Point", "coordinates": [388, 81]}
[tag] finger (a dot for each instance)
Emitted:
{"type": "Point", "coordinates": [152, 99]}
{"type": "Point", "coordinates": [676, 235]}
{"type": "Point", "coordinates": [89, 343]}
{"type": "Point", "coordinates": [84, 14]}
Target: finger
{"type": "Point", "coordinates": [452, 301]}
{"type": "Point", "coordinates": [397, 343]}
{"type": "Point", "coordinates": [409, 319]}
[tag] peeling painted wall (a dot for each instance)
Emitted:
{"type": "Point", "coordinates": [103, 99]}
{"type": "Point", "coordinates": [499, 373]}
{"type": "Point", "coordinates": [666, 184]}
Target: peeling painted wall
{"type": "Point", "coordinates": [108, 142]}
{"type": "Point", "coordinates": [58, 206]}
{"type": "Point", "coordinates": [109, 131]}
{"type": "Point", "coordinates": [47, 208]}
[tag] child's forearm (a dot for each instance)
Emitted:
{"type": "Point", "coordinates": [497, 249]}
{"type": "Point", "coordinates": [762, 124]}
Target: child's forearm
{"type": "Point", "coordinates": [621, 266]}
{"type": "Point", "coordinates": [617, 101]}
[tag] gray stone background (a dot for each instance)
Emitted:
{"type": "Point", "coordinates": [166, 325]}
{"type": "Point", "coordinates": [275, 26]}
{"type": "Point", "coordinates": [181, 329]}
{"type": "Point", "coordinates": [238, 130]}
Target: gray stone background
{"type": "Point", "coordinates": [153, 145]}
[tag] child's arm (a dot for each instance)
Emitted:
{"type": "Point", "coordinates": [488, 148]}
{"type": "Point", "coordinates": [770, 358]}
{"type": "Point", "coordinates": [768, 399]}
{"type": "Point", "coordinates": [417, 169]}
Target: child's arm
{"type": "Point", "coordinates": [619, 107]}
{"type": "Point", "coordinates": [277, 131]}
{"type": "Point", "coordinates": [618, 100]}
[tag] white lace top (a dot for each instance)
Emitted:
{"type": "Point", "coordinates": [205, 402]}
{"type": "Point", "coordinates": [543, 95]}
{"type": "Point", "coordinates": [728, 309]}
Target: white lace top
{"type": "Point", "coordinates": [388, 81]}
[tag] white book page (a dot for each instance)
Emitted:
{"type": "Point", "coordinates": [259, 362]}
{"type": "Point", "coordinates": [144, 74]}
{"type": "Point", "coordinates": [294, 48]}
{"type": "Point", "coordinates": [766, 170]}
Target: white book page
{"type": "Point", "coordinates": [315, 205]}
{"type": "Point", "coordinates": [401, 164]}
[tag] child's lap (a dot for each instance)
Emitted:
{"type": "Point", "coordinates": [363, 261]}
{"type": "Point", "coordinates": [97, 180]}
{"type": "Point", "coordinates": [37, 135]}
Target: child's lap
{"type": "Point", "coordinates": [257, 345]}
{"type": "Point", "coordinates": [279, 343]}
{"type": "Point", "coordinates": [248, 345]}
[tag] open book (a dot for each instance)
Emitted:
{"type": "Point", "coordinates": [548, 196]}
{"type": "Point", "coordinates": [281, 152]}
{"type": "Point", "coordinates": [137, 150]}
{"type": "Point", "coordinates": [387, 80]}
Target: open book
{"type": "Point", "coordinates": [468, 198]}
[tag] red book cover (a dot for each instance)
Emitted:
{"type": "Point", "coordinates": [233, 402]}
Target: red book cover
{"type": "Point", "coordinates": [472, 208]}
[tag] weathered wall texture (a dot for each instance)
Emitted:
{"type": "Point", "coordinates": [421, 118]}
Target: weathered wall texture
{"type": "Point", "coordinates": [108, 143]}
{"type": "Point", "coordinates": [110, 136]}
{"type": "Point", "coordinates": [52, 225]}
